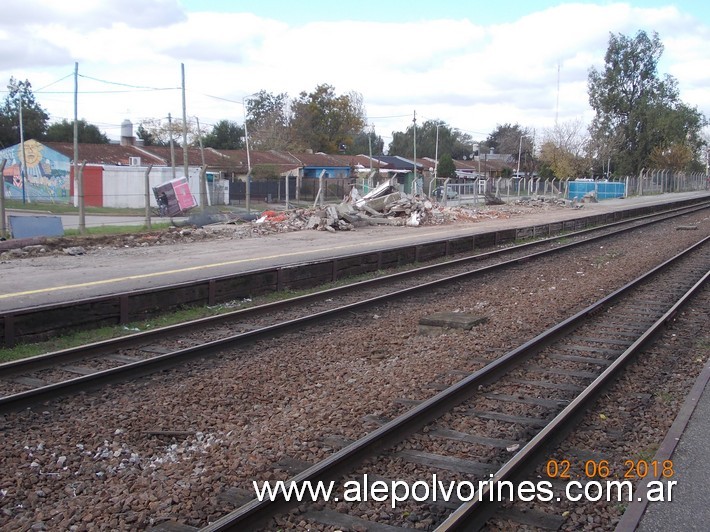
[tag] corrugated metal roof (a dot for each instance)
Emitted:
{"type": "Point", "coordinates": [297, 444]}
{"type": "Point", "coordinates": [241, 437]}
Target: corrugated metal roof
{"type": "Point", "coordinates": [236, 160]}
{"type": "Point", "coordinates": [110, 154]}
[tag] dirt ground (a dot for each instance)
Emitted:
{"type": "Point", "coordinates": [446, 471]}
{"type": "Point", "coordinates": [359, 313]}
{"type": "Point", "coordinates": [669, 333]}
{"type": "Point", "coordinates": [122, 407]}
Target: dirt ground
{"type": "Point", "coordinates": [198, 228]}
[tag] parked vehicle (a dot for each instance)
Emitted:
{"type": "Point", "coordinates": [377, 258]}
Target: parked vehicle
{"type": "Point", "coordinates": [450, 193]}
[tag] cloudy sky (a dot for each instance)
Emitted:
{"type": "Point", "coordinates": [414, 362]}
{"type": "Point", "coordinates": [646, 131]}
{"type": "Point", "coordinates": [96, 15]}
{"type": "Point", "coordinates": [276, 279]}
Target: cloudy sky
{"type": "Point", "coordinates": [474, 65]}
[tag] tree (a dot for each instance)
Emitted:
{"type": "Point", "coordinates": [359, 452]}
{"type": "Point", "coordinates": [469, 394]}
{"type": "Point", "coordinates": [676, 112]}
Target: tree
{"type": "Point", "coordinates": [446, 166]}
{"type": "Point", "coordinates": [268, 121]}
{"type": "Point", "coordinates": [147, 137]}
{"type": "Point", "coordinates": [34, 117]}
{"type": "Point", "coordinates": [635, 110]}
{"type": "Point", "coordinates": [366, 142]}
{"type": "Point", "coordinates": [674, 157]}
{"type": "Point", "coordinates": [506, 139]}
{"type": "Point", "coordinates": [64, 132]}
{"type": "Point", "coordinates": [433, 137]}
{"type": "Point", "coordinates": [322, 121]}
{"type": "Point", "coordinates": [225, 135]}
{"type": "Point", "coordinates": [564, 150]}
{"type": "Point", "coordinates": [157, 132]}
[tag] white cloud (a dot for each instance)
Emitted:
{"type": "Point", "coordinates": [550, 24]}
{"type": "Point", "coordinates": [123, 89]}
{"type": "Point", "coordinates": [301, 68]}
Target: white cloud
{"type": "Point", "coordinates": [471, 76]}
{"type": "Point", "coordinates": [83, 15]}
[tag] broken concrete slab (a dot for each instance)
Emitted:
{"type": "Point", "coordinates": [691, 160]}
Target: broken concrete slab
{"type": "Point", "coordinates": [438, 323]}
{"type": "Point", "coordinates": [380, 203]}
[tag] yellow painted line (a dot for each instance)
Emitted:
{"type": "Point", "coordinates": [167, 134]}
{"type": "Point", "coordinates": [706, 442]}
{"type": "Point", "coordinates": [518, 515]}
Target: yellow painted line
{"type": "Point", "coordinates": [195, 268]}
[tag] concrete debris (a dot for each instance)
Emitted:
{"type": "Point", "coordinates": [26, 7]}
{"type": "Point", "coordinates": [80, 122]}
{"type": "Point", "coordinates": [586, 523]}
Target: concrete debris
{"type": "Point", "coordinates": [441, 322]}
{"type": "Point", "coordinates": [75, 250]}
{"type": "Point", "coordinates": [492, 199]}
{"type": "Point", "coordinates": [383, 205]}
{"type": "Point", "coordinates": [590, 197]}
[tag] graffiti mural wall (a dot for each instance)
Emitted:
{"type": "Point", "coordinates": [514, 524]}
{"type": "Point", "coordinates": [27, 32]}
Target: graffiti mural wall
{"type": "Point", "coordinates": [47, 178]}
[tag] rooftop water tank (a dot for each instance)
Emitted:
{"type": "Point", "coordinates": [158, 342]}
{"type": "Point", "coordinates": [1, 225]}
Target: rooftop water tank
{"type": "Point", "coordinates": [126, 128]}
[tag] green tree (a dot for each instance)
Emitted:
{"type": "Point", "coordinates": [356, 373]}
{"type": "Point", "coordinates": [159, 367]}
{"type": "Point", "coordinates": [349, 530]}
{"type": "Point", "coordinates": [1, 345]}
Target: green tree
{"type": "Point", "coordinates": [635, 110]}
{"type": "Point", "coordinates": [433, 137]}
{"type": "Point", "coordinates": [462, 144]}
{"type": "Point", "coordinates": [323, 121]}
{"type": "Point", "coordinates": [64, 132]}
{"type": "Point", "coordinates": [147, 137]}
{"type": "Point", "coordinates": [506, 139]}
{"type": "Point", "coordinates": [34, 117]}
{"type": "Point", "coordinates": [225, 135]}
{"type": "Point", "coordinates": [446, 166]}
{"type": "Point", "coordinates": [268, 120]}
{"type": "Point", "coordinates": [364, 142]}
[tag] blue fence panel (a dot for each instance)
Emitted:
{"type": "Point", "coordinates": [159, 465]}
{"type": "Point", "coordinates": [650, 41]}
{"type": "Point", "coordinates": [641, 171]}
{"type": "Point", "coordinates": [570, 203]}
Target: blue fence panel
{"type": "Point", "coordinates": [604, 189]}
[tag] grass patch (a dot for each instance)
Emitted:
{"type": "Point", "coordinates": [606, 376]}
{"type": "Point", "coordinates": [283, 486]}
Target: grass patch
{"type": "Point", "coordinates": [648, 453]}
{"type": "Point", "coordinates": [106, 333]}
{"type": "Point", "coordinates": [665, 397]}
{"type": "Point", "coordinates": [118, 229]}
{"type": "Point", "coordinates": [79, 338]}
{"type": "Point", "coordinates": [68, 208]}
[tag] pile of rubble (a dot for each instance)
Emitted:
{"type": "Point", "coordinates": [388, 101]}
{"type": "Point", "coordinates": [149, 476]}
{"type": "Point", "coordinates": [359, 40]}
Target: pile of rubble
{"type": "Point", "coordinates": [384, 205]}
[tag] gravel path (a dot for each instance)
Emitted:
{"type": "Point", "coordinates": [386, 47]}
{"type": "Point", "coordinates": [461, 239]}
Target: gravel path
{"type": "Point", "coordinates": [91, 463]}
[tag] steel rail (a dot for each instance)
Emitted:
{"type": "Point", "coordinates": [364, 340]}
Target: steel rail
{"type": "Point", "coordinates": [38, 311]}
{"type": "Point", "coordinates": [474, 514]}
{"type": "Point", "coordinates": [145, 367]}
{"type": "Point", "coordinates": [255, 512]}
{"type": "Point", "coordinates": [96, 348]}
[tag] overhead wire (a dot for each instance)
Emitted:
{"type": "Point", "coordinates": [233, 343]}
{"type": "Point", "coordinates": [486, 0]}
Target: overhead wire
{"type": "Point", "coordinates": [140, 88]}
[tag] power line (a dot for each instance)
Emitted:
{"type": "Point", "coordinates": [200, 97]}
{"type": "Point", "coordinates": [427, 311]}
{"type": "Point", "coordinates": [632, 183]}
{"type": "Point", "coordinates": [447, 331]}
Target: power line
{"type": "Point", "coordinates": [383, 117]}
{"type": "Point", "coordinates": [54, 82]}
{"type": "Point", "coordinates": [143, 87]}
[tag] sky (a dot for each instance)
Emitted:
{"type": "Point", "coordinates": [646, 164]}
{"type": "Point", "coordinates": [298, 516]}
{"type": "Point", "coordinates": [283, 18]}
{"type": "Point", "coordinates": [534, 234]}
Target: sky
{"type": "Point", "coordinates": [473, 65]}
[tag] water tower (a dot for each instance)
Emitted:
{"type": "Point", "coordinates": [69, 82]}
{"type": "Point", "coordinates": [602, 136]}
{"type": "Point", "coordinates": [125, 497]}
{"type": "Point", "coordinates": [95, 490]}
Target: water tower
{"type": "Point", "coordinates": [127, 138]}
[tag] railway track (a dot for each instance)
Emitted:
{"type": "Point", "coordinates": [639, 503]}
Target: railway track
{"type": "Point", "coordinates": [19, 325]}
{"type": "Point", "coordinates": [492, 426]}
{"type": "Point", "coordinates": [42, 378]}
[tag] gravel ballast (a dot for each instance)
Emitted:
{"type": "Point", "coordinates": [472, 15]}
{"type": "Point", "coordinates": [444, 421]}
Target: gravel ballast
{"type": "Point", "coordinates": [93, 462]}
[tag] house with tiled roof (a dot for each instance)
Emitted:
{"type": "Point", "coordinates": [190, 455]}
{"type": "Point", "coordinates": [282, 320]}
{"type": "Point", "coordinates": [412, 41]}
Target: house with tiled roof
{"type": "Point", "coordinates": [114, 174]}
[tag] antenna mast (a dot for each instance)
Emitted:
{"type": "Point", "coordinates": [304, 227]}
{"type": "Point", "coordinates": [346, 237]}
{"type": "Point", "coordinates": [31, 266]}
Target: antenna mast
{"type": "Point", "coordinates": [557, 107]}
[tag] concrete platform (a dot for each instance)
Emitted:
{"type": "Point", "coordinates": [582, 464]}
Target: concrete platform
{"type": "Point", "coordinates": [48, 280]}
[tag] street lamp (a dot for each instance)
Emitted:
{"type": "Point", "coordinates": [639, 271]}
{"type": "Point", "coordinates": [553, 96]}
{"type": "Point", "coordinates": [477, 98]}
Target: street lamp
{"type": "Point", "coordinates": [477, 153]}
{"type": "Point", "coordinates": [520, 149]}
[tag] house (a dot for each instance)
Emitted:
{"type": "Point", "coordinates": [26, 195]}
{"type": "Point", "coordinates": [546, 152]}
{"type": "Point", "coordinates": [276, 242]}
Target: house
{"type": "Point", "coordinates": [403, 169]}
{"type": "Point", "coordinates": [113, 175]}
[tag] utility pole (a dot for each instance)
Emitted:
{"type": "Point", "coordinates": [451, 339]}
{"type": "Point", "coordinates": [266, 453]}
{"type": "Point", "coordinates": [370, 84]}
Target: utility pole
{"type": "Point", "coordinates": [23, 166]}
{"type": "Point", "coordinates": [146, 179]}
{"type": "Point", "coordinates": [203, 202]}
{"type": "Point", "coordinates": [436, 154]}
{"type": "Point", "coordinates": [2, 199]}
{"type": "Point", "coordinates": [80, 176]}
{"type": "Point", "coordinates": [203, 180]}
{"type": "Point", "coordinates": [414, 182]}
{"type": "Point", "coordinates": [246, 142]}
{"type": "Point", "coordinates": [172, 146]}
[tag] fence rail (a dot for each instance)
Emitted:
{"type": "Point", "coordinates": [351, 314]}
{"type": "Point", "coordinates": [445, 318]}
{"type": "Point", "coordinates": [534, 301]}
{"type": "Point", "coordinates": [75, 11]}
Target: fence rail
{"type": "Point", "coordinates": [648, 183]}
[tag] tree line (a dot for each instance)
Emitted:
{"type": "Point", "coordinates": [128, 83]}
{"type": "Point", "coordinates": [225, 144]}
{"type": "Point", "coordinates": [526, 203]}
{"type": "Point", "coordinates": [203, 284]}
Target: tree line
{"type": "Point", "coordinates": [639, 122]}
